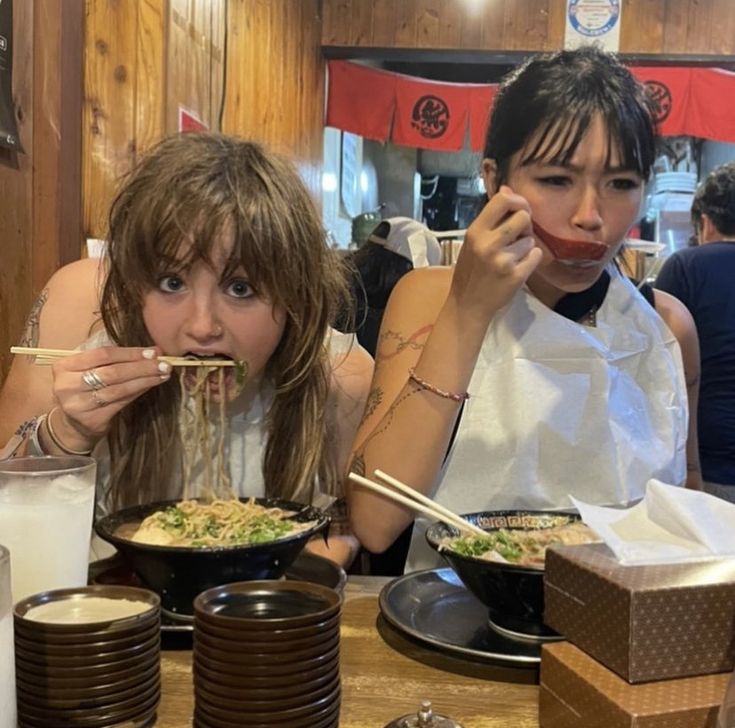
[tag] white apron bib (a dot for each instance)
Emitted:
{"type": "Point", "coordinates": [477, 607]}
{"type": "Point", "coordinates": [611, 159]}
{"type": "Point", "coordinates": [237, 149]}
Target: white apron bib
{"type": "Point", "coordinates": [558, 408]}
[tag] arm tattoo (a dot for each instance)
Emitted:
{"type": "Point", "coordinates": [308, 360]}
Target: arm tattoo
{"type": "Point", "coordinates": [374, 398]}
{"type": "Point", "coordinates": [26, 427]}
{"type": "Point", "coordinates": [390, 339]}
{"type": "Point", "coordinates": [358, 464]}
{"type": "Point", "coordinates": [33, 323]}
{"type": "Point", "coordinates": [11, 447]}
{"type": "Point", "coordinates": [384, 423]}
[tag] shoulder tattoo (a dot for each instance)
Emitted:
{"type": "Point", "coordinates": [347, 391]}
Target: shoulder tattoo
{"type": "Point", "coordinates": [392, 343]}
{"type": "Point", "coordinates": [33, 323]}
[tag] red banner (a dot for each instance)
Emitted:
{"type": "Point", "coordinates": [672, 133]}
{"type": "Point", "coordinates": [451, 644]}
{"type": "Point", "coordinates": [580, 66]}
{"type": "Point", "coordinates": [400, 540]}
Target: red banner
{"type": "Point", "coordinates": [361, 100]}
{"type": "Point", "coordinates": [669, 90]}
{"type": "Point", "coordinates": [712, 107]}
{"type": "Point", "coordinates": [481, 101]}
{"type": "Point", "coordinates": [434, 115]}
{"type": "Point", "coordinates": [430, 115]}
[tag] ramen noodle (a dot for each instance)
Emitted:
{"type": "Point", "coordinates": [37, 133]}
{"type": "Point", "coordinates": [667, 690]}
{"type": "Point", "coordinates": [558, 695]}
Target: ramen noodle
{"type": "Point", "coordinates": [519, 547]}
{"type": "Point", "coordinates": [203, 437]}
{"type": "Point", "coordinates": [220, 523]}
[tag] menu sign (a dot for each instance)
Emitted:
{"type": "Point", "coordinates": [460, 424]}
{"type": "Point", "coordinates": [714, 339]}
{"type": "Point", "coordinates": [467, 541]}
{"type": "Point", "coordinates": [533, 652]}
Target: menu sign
{"type": "Point", "coordinates": [593, 21]}
{"type": "Point", "coordinates": [8, 127]}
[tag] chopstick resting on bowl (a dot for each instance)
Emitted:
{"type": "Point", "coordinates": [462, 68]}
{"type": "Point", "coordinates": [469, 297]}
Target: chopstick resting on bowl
{"type": "Point", "coordinates": [416, 501]}
{"type": "Point", "coordinates": [46, 357]}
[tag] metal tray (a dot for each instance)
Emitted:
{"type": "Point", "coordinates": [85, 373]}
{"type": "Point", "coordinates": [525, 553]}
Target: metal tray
{"type": "Point", "coordinates": [434, 608]}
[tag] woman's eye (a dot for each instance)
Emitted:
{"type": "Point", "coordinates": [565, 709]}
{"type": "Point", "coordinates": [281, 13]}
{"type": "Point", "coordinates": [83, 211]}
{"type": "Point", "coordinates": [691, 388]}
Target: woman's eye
{"type": "Point", "coordinates": [554, 180]}
{"type": "Point", "coordinates": [626, 183]}
{"type": "Point", "coordinates": [170, 284]}
{"type": "Point", "coordinates": [240, 288]}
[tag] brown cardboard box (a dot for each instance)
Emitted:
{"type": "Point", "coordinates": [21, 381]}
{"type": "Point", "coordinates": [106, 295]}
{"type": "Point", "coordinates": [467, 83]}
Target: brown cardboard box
{"type": "Point", "coordinates": [578, 692]}
{"type": "Point", "coordinates": [643, 622]}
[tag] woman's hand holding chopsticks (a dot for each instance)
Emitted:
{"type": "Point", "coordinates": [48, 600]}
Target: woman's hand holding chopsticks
{"type": "Point", "coordinates": [91, 387]}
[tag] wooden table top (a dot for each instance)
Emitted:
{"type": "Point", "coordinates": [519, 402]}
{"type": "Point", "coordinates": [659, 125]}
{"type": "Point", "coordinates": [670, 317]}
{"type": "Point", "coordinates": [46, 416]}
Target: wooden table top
{"type": "Point", "coordinates": [384, 676]}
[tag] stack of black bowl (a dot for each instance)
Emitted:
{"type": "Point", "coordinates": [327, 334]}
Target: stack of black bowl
{"type": "Point", "coordinates": [88, 657]}
{"type": "Point", "coordinates": [266, 653]}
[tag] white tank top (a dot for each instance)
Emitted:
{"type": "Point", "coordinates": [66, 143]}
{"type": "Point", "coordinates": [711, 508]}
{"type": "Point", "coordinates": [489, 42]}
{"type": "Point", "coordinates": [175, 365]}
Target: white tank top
{"type": "Point", "coordinates": [559, 408]}
{"type": "Point", "coordinates": [245, 448]}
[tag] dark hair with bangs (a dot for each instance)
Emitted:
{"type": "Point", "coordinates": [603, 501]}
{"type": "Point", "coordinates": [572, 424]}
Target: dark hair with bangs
{"type": "Point", "coordinates": [546, 106]}
{"type": "Point", "coordinates": [181, 199]}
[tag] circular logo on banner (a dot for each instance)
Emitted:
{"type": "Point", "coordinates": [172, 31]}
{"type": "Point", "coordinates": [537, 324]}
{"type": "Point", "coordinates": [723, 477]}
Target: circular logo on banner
{"type": "Point", "coordinates": [430, 116]}
{"type": "Point", "coordinates": [661, 100]}
{"type": "Point", "coordinates": [593, 18]}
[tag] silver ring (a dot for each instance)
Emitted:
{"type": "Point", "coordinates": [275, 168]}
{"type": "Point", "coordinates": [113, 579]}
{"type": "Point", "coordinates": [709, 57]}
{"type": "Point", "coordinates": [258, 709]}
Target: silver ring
{"type": "Point", "coordinates": [92, 379]}
{"type": "Point", "coordinates": [98, 400]}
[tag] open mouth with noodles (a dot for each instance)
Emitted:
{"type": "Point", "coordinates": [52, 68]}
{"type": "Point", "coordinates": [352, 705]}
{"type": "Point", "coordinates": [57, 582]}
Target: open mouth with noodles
{"type": "Point", "coordinates": [219, 382]}
{"type": "Point", "coordinates": [576, 253]}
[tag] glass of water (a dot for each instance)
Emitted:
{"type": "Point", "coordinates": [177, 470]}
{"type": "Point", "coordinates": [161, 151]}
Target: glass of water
{"type": "Point", "coordinates": [7, 652]}
{"type": "Point", "coordinates": [46, 510]}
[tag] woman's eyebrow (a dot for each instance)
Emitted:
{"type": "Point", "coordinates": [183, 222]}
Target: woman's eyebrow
{"type": "Point", "coordinates": [577, 168]}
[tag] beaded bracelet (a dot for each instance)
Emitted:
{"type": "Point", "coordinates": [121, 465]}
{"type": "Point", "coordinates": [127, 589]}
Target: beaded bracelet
{"type": "Point", "coordinates": [55, 438]}
{"type": "Point", "coordinates": [456, 397]}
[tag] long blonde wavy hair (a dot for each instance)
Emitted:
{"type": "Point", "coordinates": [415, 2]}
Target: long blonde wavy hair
{"type": "Point", "coordinates": [173, 207]}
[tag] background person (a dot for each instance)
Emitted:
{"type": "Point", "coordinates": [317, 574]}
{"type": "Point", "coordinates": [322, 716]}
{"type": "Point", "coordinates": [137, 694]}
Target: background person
{"type": "Point", "coordinates": [396, 246]}
{"type": "Point", "coordinates": [702, 279]}
{"type": "Point", "coordinates": [575, 383]}
{"type": "Point", "coordinates": [215, 249]}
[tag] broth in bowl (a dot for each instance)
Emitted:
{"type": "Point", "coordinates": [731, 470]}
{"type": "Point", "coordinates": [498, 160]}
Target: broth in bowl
{"type": "Point", "coordinates": [513, 592]}
{"type": "Point", "coordinates": [231, 522]}
{"type": "Point", "coordinates": [519, 546]}
{"type": "Point", "coordinates": [179, 572]}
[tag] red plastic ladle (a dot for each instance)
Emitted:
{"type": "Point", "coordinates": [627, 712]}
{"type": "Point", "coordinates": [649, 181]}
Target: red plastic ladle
{"type": "Point", "coordinates": [567, 249]}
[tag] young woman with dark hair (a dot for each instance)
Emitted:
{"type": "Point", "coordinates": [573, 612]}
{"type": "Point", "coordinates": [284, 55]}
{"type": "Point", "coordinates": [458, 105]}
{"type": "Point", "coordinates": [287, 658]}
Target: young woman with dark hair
{"type": "Point", "coordinates": [533, 369]}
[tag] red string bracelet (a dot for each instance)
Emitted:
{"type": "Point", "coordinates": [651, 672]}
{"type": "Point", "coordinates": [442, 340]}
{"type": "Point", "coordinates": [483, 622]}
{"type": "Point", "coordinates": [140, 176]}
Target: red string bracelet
{"type": "Point", "coordinates": [456, 397]}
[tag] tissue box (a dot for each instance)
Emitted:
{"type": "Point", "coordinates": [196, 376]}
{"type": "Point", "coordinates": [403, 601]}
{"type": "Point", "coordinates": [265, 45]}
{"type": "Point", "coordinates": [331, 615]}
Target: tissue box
{"type": "Point", "coordinates": [578, 692]}
{"type": "Point", "coordinates": [643, 622]}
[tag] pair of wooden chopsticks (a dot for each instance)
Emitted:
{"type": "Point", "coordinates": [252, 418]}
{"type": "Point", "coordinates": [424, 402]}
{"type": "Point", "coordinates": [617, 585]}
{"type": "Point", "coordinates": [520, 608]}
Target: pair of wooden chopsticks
{"type": "Point", "coordinates": [416, 501]}
{"type": "Point", "coordinates": [46, 357]}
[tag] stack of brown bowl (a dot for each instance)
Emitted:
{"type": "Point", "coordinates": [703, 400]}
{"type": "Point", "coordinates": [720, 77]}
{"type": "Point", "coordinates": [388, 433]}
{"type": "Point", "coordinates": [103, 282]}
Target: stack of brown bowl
{"type": "Point", "coordinates": [88, 657]}
{"type": "Point", "coordinates": [266, 653]}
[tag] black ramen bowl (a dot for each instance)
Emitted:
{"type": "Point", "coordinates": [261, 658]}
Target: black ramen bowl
{"type": "Point", "coordinates": [514, 595]}
{"type": "Point", "coordinates": [179, 573]}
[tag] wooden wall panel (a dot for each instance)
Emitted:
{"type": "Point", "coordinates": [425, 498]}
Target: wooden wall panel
{"type": "Point", "coordinates": [57, 80]}
{"type": "Point", "coordinates": [722, 31]}
{"type": "Point", "coordinates": [143, 60]}
{"type": "Point", "coordinates": [674, 27]}
{"type": "Point", "coordinates": [450, 25]}
{"type": "Point", "coordinates": [275, 79]}
{"type": "Point", "coordinates": [150, 88]}
{"type": "Point", "coordinates": [643, 27]}
{"type": "Point", "coordinates": [109, 114]}
{"type": "Point", "coordinates": [40, 198]}
{"type": "Point", "coordinates": [16, 194]}
{"type": "Point", "coordinates": [195, 59]}
{"type": "Point", "coordinates": [492, 23]}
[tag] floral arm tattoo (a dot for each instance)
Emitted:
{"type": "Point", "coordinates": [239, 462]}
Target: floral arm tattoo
{"type": "Point", "coordinates": [390, 344]}
{"type": "Point", "coordinates": [33, 323]}
{"type": "Point", "coordinates": [415, 341]}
